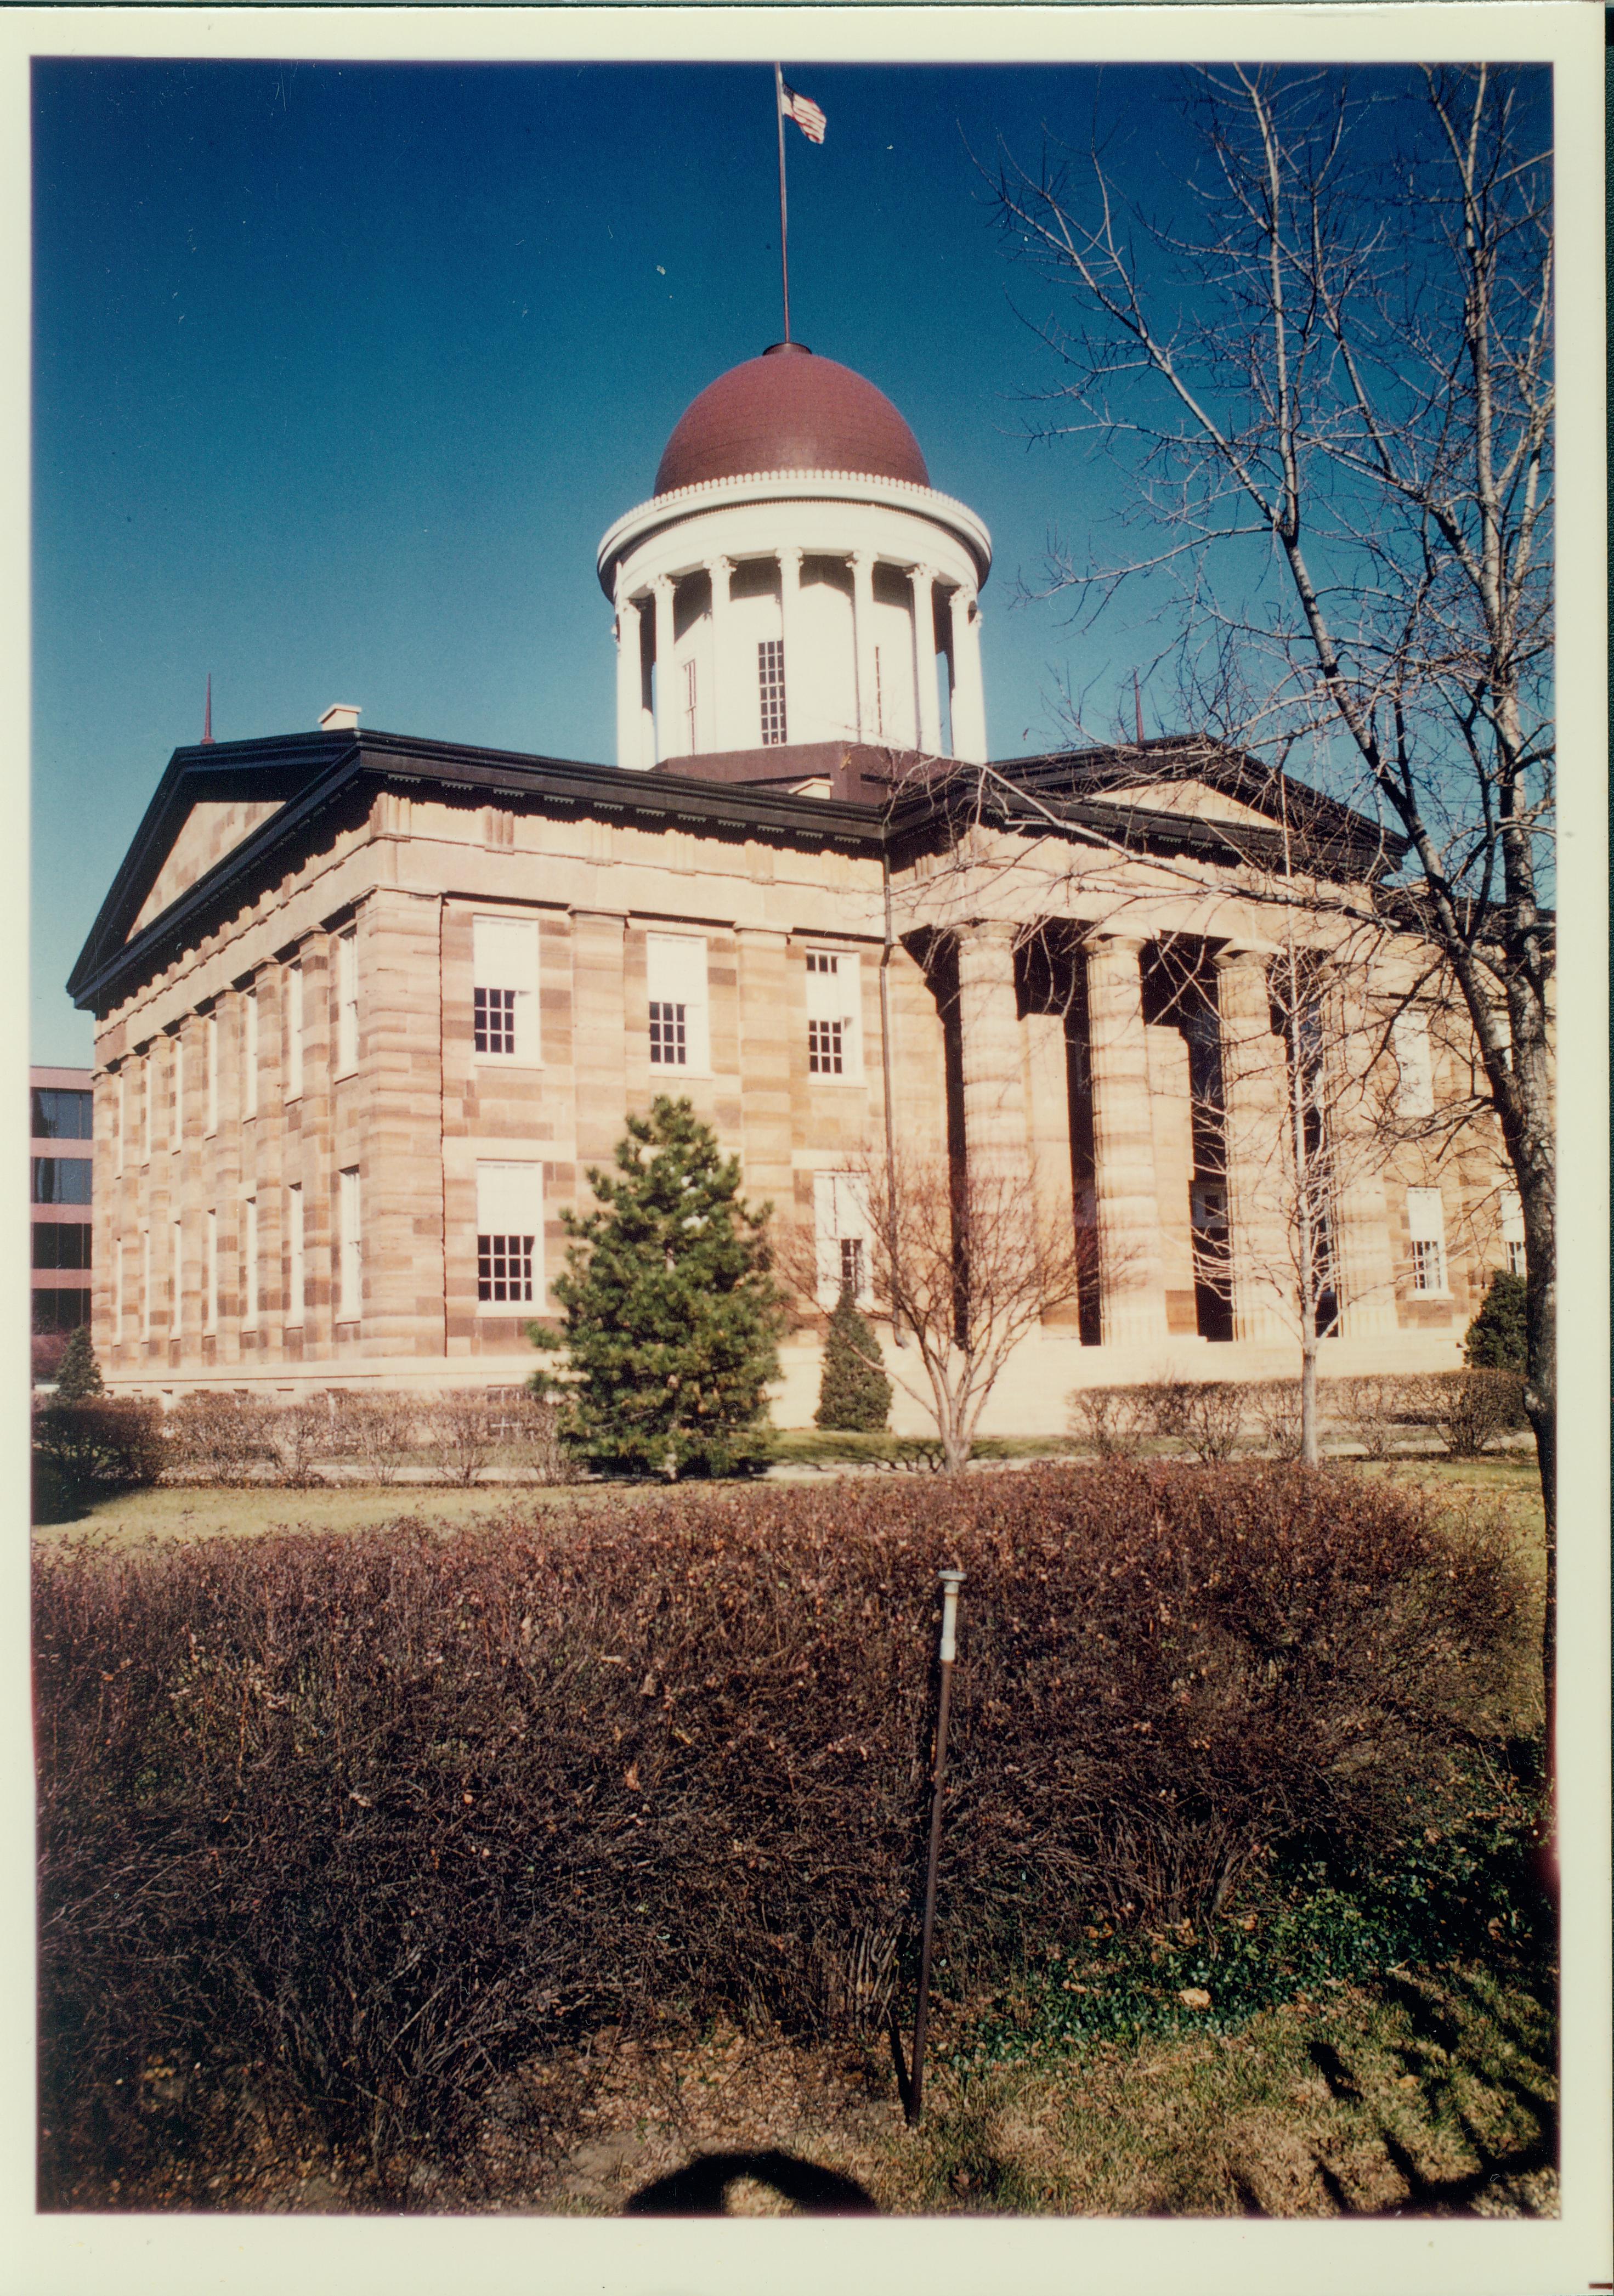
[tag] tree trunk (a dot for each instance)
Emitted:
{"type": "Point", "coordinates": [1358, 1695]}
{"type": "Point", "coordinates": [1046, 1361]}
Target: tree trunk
{"type": "Point", "coordinates": [1311, 1447]}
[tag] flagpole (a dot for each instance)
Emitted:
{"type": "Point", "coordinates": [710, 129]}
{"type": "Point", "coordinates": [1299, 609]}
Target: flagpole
{"type": "Point", "coordinates": [784, 242]}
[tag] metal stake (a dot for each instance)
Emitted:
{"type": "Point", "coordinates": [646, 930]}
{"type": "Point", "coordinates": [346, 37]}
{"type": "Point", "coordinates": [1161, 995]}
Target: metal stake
{"type": "Point", "coordinates": [951, 1581]}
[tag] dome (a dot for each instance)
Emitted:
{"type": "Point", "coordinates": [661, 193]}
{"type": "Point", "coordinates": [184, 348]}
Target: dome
{"type": "Point", "coordinates": [790, 410]}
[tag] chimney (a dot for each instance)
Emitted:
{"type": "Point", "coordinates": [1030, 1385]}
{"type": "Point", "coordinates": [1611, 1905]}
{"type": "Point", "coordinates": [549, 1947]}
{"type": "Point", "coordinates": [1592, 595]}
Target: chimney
{"type": "Point", "coordinates": [342, 717]}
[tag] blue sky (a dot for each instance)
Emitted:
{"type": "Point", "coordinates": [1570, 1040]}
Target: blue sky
{"type": "Point", "coordinates": [340, 373]}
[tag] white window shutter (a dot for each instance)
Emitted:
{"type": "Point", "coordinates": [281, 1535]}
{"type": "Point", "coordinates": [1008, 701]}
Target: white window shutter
{"type": "Point", "coordinates": [506, 956]}
{"type": "Point", "coordinates": [675, 974]}
{"type": "Point", "coordinates": [510, 1199]}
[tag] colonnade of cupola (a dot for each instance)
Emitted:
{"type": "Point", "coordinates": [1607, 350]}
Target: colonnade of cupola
{"type": "Point", "coordinates": [795, 579]}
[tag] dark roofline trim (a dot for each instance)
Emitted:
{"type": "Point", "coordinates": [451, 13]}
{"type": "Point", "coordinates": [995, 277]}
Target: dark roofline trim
{"type": "Point", "coordinates": [311, 771]}
{"type": "Point", "coordinates": [199, 775]}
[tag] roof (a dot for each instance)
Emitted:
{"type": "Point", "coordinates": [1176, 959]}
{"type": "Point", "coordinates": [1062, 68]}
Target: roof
{"type": "Point", "coordinates": [789, 410]}
{"type": "Point", "coordinates": [311, 774]}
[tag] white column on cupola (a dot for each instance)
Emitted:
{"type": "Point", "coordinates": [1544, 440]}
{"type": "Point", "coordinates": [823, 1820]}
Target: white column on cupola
{"type": "Point", "coordinates": [670, 721]}
{"type": "Point", "coordinates": [923, 578]}
{"type": "Point", "coordinates": [969, 699]}
{"type": "Point", "coordinates": [794, 649]}
{"type": "Point", "coordinates": [863, 616]}
{"type": "Point", "coordinates": [630, 683]}
{"type": "Point", "coordinates": [725, 672]}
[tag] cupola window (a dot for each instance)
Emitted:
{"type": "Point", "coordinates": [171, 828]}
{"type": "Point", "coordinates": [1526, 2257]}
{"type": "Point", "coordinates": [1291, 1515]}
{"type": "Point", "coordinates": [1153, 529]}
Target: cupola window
{"type": "Point", "coordinates": [770, 677]}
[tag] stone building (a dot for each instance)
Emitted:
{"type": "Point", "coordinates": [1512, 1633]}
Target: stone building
{"type": "Point", "coordinates": [368, 1006]}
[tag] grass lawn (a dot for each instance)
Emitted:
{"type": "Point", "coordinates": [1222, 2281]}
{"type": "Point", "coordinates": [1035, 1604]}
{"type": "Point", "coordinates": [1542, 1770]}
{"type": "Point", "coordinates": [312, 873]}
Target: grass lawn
{"type": "Point", "coordinates": [1435, 2095]}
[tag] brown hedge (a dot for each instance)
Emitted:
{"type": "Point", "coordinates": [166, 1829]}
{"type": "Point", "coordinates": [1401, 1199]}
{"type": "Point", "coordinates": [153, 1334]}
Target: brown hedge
{"type": "Point", "coordinates": [382, 1815]}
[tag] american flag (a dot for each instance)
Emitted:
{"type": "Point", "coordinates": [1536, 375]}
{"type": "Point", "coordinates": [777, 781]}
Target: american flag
{"type": "Point", "coordinates": [804, 112]}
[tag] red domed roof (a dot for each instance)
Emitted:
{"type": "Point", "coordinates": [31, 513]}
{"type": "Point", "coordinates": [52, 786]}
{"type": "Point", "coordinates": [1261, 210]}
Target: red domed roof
{"type": "Point", "coordinates": [790, 410]}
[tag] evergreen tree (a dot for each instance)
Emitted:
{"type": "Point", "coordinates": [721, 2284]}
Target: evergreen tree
{"type": "Point", "coordinates": [79, 1375]}
{"type": "Point", "coordinates": [1495, 1339]}
{"type": "Point", "coordinates": [671, 1313]}
{"type": "Point", "coordinates": [853, 1392]}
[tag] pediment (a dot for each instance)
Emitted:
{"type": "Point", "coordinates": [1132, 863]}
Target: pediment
{"type": "Point", "coordinates": [211, 829]}
{"type": "Point", "coordinates": [1195, 798]}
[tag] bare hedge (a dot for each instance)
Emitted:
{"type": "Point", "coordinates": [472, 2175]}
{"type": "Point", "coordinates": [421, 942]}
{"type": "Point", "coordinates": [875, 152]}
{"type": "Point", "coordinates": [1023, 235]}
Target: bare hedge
{"type": "Point", "coordinates": [1466, 1411]}
{"type": "Point", "coordinates": [381, 1815]}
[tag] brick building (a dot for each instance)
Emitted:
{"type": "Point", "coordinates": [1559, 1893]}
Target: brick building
{"type": "Point", "coordinates": [61, 1177]}
{"type": "Point", "coordinates": [368, 1005]}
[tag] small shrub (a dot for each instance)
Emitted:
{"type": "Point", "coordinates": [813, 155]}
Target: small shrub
{"type": "Point", "coordinates": [298, 1434]}
{"type": "Point", "coordinates": [1495, 1339]}
{"type": "Point", "coordinates": [102, 1443]}
{"type": "Point", "coordinates": [854, 1393]}
{"type": "Point", "coordinates": [1370, 1408]}
{"type": "Point", "coordinates": [379, 1429]}
{"type": "Point", "coordinates": [1471, 1410]}
{"type": "Point", "coordinates": [1108, 1420]}
{"type": "Point", "coordinates": [460, 1431]}
{"type": "Point", "coordinates": [1162, 1408]}
{"type": "Point", "coordinates": [218, 1439]}
{"type": "Point", "coordinates": [524, 1432]}
{"type": "Point", "coordinates": [79, 1375]}
{"type": "Point", "coordinates": [1211, 1419]}
{"type": "Point", "coordinates": [1276, 1404]}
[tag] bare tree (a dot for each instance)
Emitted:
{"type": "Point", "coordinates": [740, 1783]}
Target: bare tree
{"type": "Point", "coordinates": [963, 1264]}
{"type": "Point", "coordinates": [1328, 369]}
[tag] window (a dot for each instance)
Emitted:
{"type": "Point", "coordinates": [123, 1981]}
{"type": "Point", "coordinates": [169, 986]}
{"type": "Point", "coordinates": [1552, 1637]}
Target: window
{"type": "Point", "coordinates": [347, 1003]}
{"type": "Point", "coordinates": [509, 1220]}
{"type": "Point", "coordinates": [1425, 1225]}
{"type": "Point", "coordinates": [210, 1049]}
{"type": "Point", "coordinates": [770, 679]}
{"type": "Point", "coordinates": [1513, 1232]}
{"type": "Point", "coordinates": [249, 1053]}
{"type": "Point", "coordinates": [504, 958]}
{"type": "Point", "coordinates": [177, 1273]}
{"type": "Point", "coordinates": [249, 1264]}
{"type": "Point", "coordinates": [63, 1179]}
{"type": "Point", "coordinates": [689, 708]}
{"type": "Point", "coordinates": [62, 1115]}
{"type": "Point", "coordinates": [61, 1311]}
{"type": "Point", "coordinates": [294, 1031]}
{"type": "Point", "coordinates": [294, 1255]}
{"type": "Point", "coordinates": [840, 1226]}
{"type": "Point", "coordinates": [676, 965]}
{"type": "Point", "coordinates": [209, 1276]}
{"type": "Point", "coordinates": [833, 999]}
{"type": "Point", "coordinates": [64, 1246]}
{"type": "Point", "coordinates": [1415, 1095]}
{"type": "Point", "coordinates": [349, 1263]}
{"type": "Point", "coordinates": [146, 1283]}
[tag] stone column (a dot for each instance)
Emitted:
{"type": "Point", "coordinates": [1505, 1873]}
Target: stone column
{"type": "Point", "coordinates": [992, 1056]}
{"type": "Point", "coordinates": [863, 624]}
{"type": "Point", "coordinates": [1365, 1261]}
{"type": "Point", "coordinates": [795, 651]}
{"type": "Point", "coordinates": [969, 699]}
{"type": "Point", "coordinates": [1048, 1099]}
{"type": "Point", "coordinates": [630, 685]}
{"type": "Point", "coordinates": [923, 578]}
{"type": "Point", "coordinates": [670, 721]}
{"type": "Point", "coordinates": [1257, 1158]}
{"type": "Point", "coordinates": [1132, 1295]}
{"type": "Point", "coordinates": [725, 696]}
{"type": "Point", "coordinates": [767, 1021]}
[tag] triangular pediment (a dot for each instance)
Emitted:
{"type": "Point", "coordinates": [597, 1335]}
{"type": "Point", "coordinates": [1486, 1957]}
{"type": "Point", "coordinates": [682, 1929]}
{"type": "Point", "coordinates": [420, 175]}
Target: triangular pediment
{"type": "Point", "coordinates": [1196, 799]}
{"type": "Point", "coordinates": [212, 828]}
